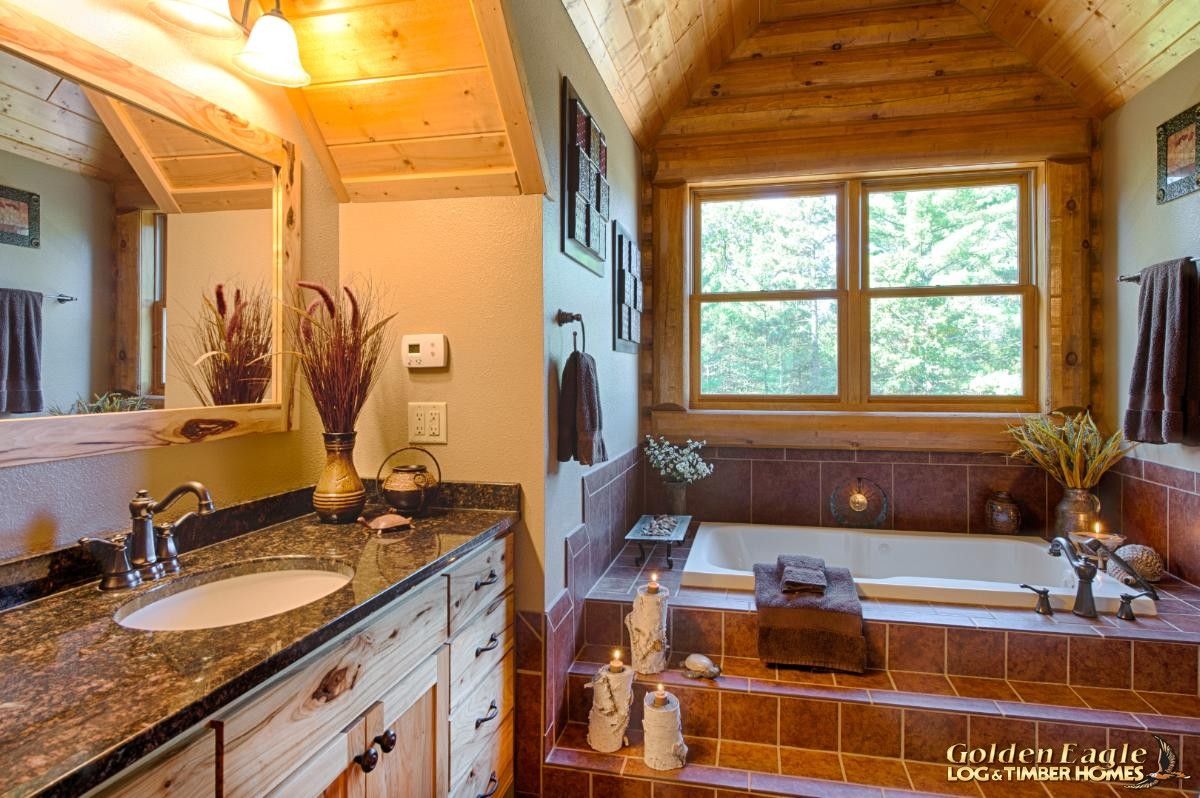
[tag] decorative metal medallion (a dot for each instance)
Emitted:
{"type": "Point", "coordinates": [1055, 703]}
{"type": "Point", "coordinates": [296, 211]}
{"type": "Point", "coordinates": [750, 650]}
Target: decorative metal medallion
{"type": "Point", "coordinates": [859, 502]}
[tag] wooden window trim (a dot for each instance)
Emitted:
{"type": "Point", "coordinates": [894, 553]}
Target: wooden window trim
{"type": "Point", "coordinates": [854, 294]}
{"type": "Point", "coordinates": [1060, 260]}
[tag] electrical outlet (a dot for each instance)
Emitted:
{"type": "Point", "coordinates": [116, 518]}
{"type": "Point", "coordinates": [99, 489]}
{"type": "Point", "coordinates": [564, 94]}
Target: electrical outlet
{"type": "Point", "coordinates": [427, 422]}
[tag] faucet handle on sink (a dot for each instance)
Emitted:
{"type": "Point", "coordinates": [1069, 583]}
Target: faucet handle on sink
{"type": "Point", "coordinates": [165, 550]}
{"type": "Point", "coordinates": [113, 556]}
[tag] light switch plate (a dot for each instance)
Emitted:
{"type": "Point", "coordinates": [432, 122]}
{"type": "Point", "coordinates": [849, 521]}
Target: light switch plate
{"type": "Point", "coordinates": [427, 422]}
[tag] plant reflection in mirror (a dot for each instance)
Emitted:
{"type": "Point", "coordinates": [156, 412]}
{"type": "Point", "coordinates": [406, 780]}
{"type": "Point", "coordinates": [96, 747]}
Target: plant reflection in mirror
{"type": "Point", "coordinates": [228, 359]}
{"type": "Point", "coordinates": [111, 402]}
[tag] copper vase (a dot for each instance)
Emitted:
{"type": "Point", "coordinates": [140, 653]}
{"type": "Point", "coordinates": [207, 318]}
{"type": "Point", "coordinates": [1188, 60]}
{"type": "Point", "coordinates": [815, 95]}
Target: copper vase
{"type": "Point", "coordinates": [339, 496]}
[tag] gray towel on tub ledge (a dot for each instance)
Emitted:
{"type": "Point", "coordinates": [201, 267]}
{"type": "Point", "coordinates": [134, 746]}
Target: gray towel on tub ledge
{"type": "Point", "coordinates": [817, 631]}
{"type": "Point", "coordinates": [800, 573]}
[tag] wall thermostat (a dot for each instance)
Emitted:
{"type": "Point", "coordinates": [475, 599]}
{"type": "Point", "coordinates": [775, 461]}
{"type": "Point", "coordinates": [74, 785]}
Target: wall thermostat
{"type": "Point", "coordinates": [426, 351]}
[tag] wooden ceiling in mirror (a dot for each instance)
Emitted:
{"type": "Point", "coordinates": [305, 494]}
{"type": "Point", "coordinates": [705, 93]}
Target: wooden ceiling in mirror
{"type": "Point", "coordinates": [58, 105]}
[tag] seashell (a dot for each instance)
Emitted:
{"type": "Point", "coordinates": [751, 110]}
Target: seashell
{"type": "Point", "coordinates": [385, 522]}
{"type": "Point", "coordinates": [1143, 559]}
{"type": "Point", "coordinates": [698, 666]}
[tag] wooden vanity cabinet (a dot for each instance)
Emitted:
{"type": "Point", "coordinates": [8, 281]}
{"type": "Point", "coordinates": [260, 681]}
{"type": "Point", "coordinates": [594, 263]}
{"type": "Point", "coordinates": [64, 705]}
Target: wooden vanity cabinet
{"type": "Point", "coordinates": [435, 669]}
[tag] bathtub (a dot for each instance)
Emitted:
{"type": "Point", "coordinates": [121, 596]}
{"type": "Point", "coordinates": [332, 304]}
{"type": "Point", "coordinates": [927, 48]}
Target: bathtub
{"type": "Point", "coordinates": [913, 566]}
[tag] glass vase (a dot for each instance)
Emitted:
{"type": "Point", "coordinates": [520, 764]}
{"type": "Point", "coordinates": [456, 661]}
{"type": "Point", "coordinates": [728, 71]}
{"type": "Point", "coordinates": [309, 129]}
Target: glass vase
{"type": "Point", "coordinates": [340, 496]}
{"type": "Point", "coordinates": [676, 497]}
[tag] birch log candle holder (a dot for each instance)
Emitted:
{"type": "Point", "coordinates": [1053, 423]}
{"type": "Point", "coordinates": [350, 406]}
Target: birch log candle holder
{"type": "Point", "coordinates": [664, 745]}
{"type": "Point", "coordinates": [647, 625]}
{"type": "Point", "coordinates": [612, 698]}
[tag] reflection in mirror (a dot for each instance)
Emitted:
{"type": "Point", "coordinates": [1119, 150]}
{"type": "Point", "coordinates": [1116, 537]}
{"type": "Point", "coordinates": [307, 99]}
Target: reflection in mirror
{"type": "Point", "coordinates": [156, 239]}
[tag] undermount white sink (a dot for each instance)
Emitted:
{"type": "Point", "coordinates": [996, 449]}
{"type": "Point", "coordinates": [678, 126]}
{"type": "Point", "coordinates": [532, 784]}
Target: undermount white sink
{"type": "Point", "coordinates": [238, 594]}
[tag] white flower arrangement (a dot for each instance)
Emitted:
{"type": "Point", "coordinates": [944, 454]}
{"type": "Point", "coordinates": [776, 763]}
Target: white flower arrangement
{"type": "Point", "coordinates": [677, 463]}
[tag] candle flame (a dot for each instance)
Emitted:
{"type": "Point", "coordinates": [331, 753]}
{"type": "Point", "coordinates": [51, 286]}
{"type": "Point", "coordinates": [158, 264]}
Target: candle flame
{"type": "Point", "coordinates": [660, 688]}
{"type": "Point", "coordinates": [654, 577]}
{"type": "Point", "coordinates": [616, 653]}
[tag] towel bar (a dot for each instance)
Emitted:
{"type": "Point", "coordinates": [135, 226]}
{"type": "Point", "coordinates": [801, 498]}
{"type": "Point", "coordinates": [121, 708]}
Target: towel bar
{"type": "Point", "coordinates": [1137, 278]}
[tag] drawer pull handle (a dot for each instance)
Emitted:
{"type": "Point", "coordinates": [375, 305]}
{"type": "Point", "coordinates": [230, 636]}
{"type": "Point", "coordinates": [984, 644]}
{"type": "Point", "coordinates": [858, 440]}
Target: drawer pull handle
{"type": "Point", "coordinates": [492, 785]}
{"type": "Point", "coordinates": [492, 578]}
{"type": "Point", "coordinates": [386, 741]}
{"type": "Point", "coordinates": [492, 642]}
{"type": "Point", "coordinates": [492, 713]}
{"type": "Point", "coordinates": [367, 760]}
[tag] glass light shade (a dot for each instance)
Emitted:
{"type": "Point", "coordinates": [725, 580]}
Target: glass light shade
{"type": "Point", "coordinates": [271, 53]}
{"type": "Point", "coordinates": [209, 17]}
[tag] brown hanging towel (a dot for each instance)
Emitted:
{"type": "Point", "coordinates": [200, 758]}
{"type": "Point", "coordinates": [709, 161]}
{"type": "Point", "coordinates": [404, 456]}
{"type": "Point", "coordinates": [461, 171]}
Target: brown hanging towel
{"type": "Point", "coordinates": [1164, 389]}
{"type": "Point", "coordinates": [580, 422]}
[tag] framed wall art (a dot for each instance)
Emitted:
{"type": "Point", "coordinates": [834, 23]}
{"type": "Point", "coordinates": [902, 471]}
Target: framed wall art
{"type": "Point", "coordinates": [20, 218]}
{"type": "Point", "coordinates": [1177, 155]}
{"type": "Point", "coordinates": [586, 193]}
{"type": "Point", "coordinates": [627, 290]}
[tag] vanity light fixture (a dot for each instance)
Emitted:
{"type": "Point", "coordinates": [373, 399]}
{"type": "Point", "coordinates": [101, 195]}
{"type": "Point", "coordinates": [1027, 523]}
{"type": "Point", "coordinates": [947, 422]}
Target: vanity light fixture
{"type": "Point", "coordinates": [271, 54]}
{"type": "Point", "coordinates": [208, 17]}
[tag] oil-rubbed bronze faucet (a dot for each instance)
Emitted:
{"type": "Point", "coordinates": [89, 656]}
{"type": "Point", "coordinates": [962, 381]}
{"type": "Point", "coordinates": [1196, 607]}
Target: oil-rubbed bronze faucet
{"type": "Point", "coordinates": [116, 572]}
{"type": "Point", "coordinates": [154, 554]}
{"type": "Point", "coordinates": [1085, 569]}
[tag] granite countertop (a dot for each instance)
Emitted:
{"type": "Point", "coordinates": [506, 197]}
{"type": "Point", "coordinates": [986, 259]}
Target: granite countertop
{"type": "Point", "coordinates": [81, 697]}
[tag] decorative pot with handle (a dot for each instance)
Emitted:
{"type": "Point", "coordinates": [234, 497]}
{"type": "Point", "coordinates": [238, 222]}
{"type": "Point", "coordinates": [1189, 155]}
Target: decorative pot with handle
{"type": "Point", "coordinates": [409, 489]}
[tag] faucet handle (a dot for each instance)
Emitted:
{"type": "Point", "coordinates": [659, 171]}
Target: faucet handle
{"type": "Point", "coordinates": [1043, 606]}
{"type": "Point", "coordinates": [1125, 611]}
{"type": "Point", "coordinates": [113, 556]}
{"type": "Point", "coordinates": [165, 550]}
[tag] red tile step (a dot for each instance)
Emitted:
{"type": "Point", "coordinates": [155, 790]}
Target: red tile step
{"type": "Point", "coordinates": [836, 734]}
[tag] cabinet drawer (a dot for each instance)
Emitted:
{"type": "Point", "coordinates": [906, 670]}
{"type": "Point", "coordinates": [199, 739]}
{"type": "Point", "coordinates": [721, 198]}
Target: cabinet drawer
{"type": "Point", "coordinates": [294, 717]}
{"type": "Point", "coordinates": [479, 646]}
{"type": "Point", "coordinates": [493, 766]}
{"type": "Point", "coordinates": [478, 716]}
{"type": "Point", "coordinates": [188, 770]}
{"type": "Point", "coordinates": [478, 580]}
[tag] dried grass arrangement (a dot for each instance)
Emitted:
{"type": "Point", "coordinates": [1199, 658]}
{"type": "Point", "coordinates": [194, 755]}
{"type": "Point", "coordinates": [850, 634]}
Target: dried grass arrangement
{"type": "Point", "coordinates": [341, 346]}
{"type": "Point", "coordinates": [1072, 450]}
{"type": "Point", "coordinates": [228, 360]}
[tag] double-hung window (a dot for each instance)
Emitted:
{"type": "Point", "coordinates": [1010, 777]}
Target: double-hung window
{"type": "Point", "coordinates": [865, 294]}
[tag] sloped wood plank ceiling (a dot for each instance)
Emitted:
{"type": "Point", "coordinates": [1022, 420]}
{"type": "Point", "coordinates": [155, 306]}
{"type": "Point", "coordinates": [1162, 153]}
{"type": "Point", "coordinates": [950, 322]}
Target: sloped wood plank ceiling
{"type": "Point", "coordinates": [822, 68]}
{"type": "Point", "coordinates": [414, 98]}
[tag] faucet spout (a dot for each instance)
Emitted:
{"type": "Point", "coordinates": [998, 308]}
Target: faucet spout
{"type": "Point", "coordinates": [197, 489]}
{"type": "Point", "coordinates": [1085, 571]}
{"type": "Point", "coordinates": [154, 552]}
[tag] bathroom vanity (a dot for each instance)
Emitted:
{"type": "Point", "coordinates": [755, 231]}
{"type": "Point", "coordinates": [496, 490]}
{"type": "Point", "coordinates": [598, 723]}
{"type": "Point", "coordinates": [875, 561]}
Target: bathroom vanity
{"type": "Point", "coordinates": [397, 684]}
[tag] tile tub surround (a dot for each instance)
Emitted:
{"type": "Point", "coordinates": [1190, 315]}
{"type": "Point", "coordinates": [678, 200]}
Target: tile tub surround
{"type": "Point", "coordinates": [927, 491]}
{"type": "Point", "coordinates": [33, 577]}
{"type": "Point", "coordinates": [547, 642]}
{"type": "Point", "coordinates": [66, 651]}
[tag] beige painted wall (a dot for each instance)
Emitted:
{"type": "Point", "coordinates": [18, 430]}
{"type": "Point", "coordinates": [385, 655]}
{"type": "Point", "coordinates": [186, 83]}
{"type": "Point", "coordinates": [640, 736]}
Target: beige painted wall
{"type": "Point", "coordinates": [551, 48]}
{"type": "Point", "coordinates": [50, 505]}
{"type": "Point", "coordinates": [75, 258]}
{"type": "Point", "coordinates": [469, 268]}
{"type": "Point", "coordinates": [1138, 232]}
{"type": "Point", "coordinates": [204, 250]}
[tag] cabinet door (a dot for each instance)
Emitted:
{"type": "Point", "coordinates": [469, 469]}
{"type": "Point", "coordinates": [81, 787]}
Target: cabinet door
{"type": "Point", "coordinates": [332, 772]}
{"type": "Point", "coordinates": [411, 712]}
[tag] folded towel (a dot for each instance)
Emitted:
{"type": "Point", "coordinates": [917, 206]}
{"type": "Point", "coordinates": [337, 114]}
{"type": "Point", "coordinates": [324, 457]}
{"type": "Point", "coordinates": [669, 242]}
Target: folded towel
{"type": "Point", "coordinates": [20, 351]}
{"type": "Point", "coordinates": [823, 631]}
{"type": "Point", "coordinates": [1164, 388]}
{"type": "Point", "coordinates": [800, 573]}
{"type": "Point", "coordinates": [580, 422]}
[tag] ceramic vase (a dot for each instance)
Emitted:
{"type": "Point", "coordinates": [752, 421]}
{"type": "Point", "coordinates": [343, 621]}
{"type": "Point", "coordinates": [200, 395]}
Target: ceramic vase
{"type": "Point", "coordinates": [340, 495]}
{"type": "Point", "coordinates": [1003, 514]}
{"type": "Point", "coordinates": [676, 497]}
{"type": "Point", "coordinates": [1077, 513]}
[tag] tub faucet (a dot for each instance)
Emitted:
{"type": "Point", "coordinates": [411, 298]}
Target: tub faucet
{"type": "Point", "coordinates": [1085, 571]}
{"type": "Point", "coordinates": [154, 554]}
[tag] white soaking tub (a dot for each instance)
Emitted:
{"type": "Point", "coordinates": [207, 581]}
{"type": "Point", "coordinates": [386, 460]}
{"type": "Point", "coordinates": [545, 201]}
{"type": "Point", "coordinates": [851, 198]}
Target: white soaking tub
{"type": "Point", "coordinates": [912, 566]}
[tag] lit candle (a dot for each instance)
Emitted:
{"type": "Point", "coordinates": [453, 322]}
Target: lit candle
{"type": "Point", "coordinates": [653, 586]}
{"type": "Point", "coordinates": [660, 697]}
{"type": "Point", "coordinates": [1097, 530]}
{"type": "Point", "coordinates": [616, 666]}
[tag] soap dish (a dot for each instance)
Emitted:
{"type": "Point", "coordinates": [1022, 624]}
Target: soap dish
{"type": "Point", "coordinates": [383, 521]}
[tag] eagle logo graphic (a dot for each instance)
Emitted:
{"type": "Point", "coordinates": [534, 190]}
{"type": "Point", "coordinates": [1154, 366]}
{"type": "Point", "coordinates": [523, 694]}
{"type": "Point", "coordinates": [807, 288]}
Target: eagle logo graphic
{"type": "Point", "coordinates": [1168, 768]}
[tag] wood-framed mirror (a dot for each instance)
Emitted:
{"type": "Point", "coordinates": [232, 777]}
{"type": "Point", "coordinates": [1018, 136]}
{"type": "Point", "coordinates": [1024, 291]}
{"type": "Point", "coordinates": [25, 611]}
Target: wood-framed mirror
{"type": "Point", "coordinates": [151, 240]}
